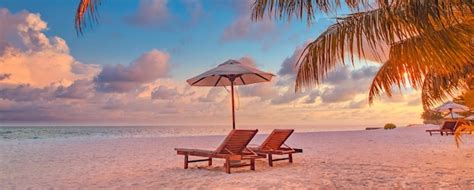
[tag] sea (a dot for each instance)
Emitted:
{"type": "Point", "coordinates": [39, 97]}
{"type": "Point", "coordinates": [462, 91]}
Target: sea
{"type": "Point", "coordinates": [15, 133]}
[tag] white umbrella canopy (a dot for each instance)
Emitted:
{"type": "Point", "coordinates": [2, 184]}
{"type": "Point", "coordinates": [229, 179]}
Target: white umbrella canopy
{"type": "Point", "coordinates": [471, 117]}
{"type": "Point", "coordinates": [453, 116]}
{"type": "Point", "coordinates": [451, 107]}
{"type": "Point", "coordinates": [240, 73]}
{"type": "Point", "coordinates": [231, 73]}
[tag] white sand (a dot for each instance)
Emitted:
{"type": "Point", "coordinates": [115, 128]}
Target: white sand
{"type": "Point", "coordinates": [400, 158]}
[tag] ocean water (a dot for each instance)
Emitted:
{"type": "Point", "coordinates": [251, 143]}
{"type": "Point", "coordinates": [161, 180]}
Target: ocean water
{"type": "Point", "coordinates": [9, 133]}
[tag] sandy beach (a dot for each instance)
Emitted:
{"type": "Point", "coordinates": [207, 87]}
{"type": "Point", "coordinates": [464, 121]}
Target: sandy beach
{"type": "Point", "coordinates": [406, 158]}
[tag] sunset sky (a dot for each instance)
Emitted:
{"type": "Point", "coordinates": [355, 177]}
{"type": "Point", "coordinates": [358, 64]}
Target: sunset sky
{"type": "Point", "coordinates": [132, 66]}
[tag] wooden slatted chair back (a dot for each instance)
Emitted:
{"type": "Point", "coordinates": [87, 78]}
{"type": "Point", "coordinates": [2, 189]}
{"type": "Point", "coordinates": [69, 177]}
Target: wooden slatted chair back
{"type": "Point", "coordinates": [450, 125]}
{"type": "Point", "coordinates": [236, 141]}
{"type": "Point", "coordinates": [276, 139]}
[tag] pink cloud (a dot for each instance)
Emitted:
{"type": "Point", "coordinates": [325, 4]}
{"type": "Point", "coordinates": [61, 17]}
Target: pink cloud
{"type": "Point", "coordinates": [80, 89]}
{"type": "Point", "coordinates": [164, 93]}
{"type": "Point", "coordinates": [157, 13]}
{"type": "Point", "coordinates": [147, 68]}
{"type": "Point", "coordinates": [288, 96]}
{"type": "Point", "coordinates": [26, 93]}
{"type": "Point", "coordinates": [24, 30]}
{"type": "Point", "coordinates": [264, 91]}
{"type": "Point", "coordinates": [29, 56]}
{"type": "Point", "coordinates": [340, 84]}
{"type": "Point", "coordinates": [213, 95]}
{"type": "Point", "coordinates": [4, 76]}
{"type": "Point", "coordinates": [288, 67]}
{"type": "Point", "coordinates": [150, 12]}
{"type": "Point", "coordinates": [243, 27]}
{"type": "Point", "coordinates": [247, 60]}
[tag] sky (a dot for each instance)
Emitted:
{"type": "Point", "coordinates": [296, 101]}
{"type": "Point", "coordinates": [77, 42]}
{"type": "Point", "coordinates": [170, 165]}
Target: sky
{"type": "Point", "coordinates": [131, 67]}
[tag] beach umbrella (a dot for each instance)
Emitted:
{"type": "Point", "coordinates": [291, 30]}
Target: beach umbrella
{"type": "Point", "coordinates": [231, 73]}
{"type": "Point", "coordinates": [451, 107]}
{"type": "Point", "coordinates": [454, 116]}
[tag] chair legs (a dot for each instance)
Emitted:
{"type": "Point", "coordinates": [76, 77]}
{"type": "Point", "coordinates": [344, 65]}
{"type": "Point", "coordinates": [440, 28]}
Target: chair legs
{"type": "Point", "coordinates": [252, 164]}
{"type": "Point", "coordinates": [271, 160]}
{"type": "Point", "coordinates": [186, 159]}
{"type": "Point", "coordinates": [227, 165]}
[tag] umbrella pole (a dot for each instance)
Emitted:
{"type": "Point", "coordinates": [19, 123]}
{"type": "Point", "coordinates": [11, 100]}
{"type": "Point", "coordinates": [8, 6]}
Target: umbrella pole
{"type": "Point", "coordinates": [233, 110]}
{"type": "Point", "coordinates": [451, 110]}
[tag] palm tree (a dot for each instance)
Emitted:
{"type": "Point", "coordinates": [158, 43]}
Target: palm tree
{"type": "Point", "coordinates": [431, 41]}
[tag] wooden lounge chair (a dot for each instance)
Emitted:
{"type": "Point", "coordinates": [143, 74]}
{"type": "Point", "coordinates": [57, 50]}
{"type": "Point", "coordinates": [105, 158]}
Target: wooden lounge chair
{"type": "Point", "coordinates": [274, 144]}
{"type": "Point", "coordinates": [232, 148]}
{"type": "Point", "coordinates": [447, 128]}
{"type": "Point", "coordinates": [459, 123]}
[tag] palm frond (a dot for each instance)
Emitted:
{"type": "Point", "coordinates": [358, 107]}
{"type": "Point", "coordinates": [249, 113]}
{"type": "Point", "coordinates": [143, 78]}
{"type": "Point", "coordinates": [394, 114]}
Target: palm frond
{"type": "Point", "coordinates": [85, 8]}
{"type": "Point", "coordinates": [438, 62]}
{"type": "Point", "coordinates": [356, 34]}
{"type": "Point", "coordinates": [305, 9]}
{"type": "Point", "coordinates": [436, 85]}
{"type": "Point", "coordinates": [299, 8]}
{"type": "Point", "coordinates": [438, 88]}
{"type": "Point", "coordinates": [466, 128]}
{"type": "Point", "coordinates": [388, 75]}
